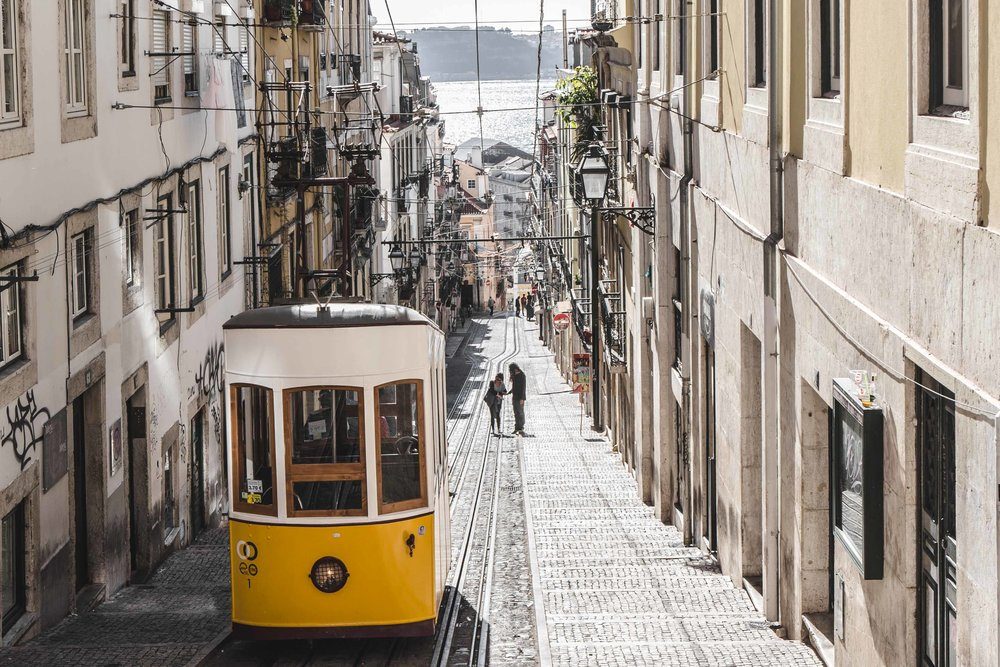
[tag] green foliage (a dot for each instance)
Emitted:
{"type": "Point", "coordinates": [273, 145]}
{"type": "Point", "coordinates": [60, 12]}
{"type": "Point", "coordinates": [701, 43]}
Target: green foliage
{"type": "Point", "coordinates": [578, 106]}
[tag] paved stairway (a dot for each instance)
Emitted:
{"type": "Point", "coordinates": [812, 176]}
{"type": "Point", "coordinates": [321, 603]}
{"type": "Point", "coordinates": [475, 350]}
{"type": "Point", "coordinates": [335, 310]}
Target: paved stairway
{"type": "Point", "coordinates": [618, 587]}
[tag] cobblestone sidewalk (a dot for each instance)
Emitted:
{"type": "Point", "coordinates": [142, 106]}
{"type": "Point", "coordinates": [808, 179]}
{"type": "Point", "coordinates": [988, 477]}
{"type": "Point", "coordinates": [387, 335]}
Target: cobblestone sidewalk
{"type": "Point", "coordinates": [618, 587]}
{"type": "Point", "coordinates": [166, 621]}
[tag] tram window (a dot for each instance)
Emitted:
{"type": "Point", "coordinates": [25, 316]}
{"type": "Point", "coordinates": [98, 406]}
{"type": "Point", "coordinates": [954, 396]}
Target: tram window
{"type": "Point", "coordinates": [399, 412]}
{"type": "Point", "coordinates": [327, 496]}
{"type": "Point", "coordinates": [253, 438]}
{"type": "Point", "coordinates": [325, 426]}
{"type": "Point", "coordinates": [325, 451]}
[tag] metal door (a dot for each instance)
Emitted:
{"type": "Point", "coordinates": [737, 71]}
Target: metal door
{"type": "Point", "coordinates": [938, 542]}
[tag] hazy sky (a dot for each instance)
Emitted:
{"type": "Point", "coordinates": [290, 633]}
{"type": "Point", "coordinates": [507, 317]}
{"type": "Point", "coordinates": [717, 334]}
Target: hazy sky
{"type": "Point", "coordinates": [514, 14]}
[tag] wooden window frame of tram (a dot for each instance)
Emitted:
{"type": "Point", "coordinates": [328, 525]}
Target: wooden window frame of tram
{"type": "Point", "coordinates": [240, 462]}
{"type": "Point", "coordinates": [324, 472]}
{"type": "Point", "coordinates": [416, 503]}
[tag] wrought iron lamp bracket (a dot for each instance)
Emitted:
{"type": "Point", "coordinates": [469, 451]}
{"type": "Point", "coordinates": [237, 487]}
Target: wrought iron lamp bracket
{"type": "Point", "coordinates": [643, 219]}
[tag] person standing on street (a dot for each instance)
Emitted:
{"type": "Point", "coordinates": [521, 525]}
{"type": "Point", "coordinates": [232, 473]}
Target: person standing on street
{"type": "Point", "coordinates": [518, 391]}
{"type": "Point", "coordinates": [491, 304]}
{"type": "Point", "coordinates": [517, 306]}
{"type": "Point", "coordinates": [494, 399]}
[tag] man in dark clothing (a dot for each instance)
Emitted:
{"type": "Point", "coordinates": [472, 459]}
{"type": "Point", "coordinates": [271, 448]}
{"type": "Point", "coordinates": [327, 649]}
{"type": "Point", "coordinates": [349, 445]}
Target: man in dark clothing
{"type": "Point", "coordinates": [517, 306]}
{"type": "Point", "coordinates": [518, 391]}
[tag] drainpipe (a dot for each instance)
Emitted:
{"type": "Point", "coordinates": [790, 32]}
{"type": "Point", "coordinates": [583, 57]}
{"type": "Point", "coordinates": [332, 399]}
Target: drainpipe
{"type": "Point", "coordinates": [688, 280]}
{"type": "Point", "coordinates": [771, 460]}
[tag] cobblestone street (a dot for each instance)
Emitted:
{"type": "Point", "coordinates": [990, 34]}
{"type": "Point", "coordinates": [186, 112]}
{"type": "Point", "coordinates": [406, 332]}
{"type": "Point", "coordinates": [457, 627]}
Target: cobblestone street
{"type": "Point", "coordinates": [585, 576]}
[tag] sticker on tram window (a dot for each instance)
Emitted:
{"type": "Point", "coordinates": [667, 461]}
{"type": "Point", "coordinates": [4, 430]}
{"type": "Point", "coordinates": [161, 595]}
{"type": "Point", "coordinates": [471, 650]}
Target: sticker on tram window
{"type": "Point", "coordinates": [253, 498]}
{"type": "Point", "coordinates": [255, 486]}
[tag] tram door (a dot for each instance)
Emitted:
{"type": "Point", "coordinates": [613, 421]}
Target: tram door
{"type": "Point", "coordinates": [938, 541]}
{"type": "Point", "coordinates": [711, 523]}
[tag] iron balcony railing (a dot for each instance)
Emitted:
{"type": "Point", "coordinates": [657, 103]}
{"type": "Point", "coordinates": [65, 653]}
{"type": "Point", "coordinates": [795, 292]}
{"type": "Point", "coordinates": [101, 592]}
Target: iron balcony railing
{"type": "Point", "coordinates": [307, 14]}
{"type": "Point", "coordinates": [613, 323]}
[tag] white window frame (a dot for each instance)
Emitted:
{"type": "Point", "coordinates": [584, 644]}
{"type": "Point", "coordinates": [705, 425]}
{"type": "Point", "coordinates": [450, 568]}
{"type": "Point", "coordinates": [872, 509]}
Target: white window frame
{"type": "Point", "coordinates": [196, 249]}
{"type": "Point", "coordinates": [957, 97]}
{"type": "Point", "coordinates": [130, 224]}
{"type": "Point", "coordinates": [75, 57]}
{"type": "Point", "coordinates": [189, 63]}
{"type": "Point", "coordinates": [163, 255]}
{"type": "Point", "coordinates": [159, 65]}
{"type": "Point", "coordinates": [81, 279]}
{"type": "Point", "coordinates": [471, 184]}
{"type": "Point", "coordinates": [10, 304]}
{"type": "Point", "coordinates": [9, 64]}
{"type": "Point", "coordinates": [225, 222]}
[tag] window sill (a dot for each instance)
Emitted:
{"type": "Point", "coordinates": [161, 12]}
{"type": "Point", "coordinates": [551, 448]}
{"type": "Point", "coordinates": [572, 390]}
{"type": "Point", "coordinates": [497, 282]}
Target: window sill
{"type": "Point", "coordinates": [949, 112]}
{"type": "Point", "coordinates": [82, 319]}
{"type": "Point", "coordinates": [191, 93]}
{"type": "Point", "coordinates": [11, 124]}
{"type": "Point", "coordinates": [127, 74]}
{"type": "Point", "coordinates": [161, 101]}
{"type": "Point", "coordinates": [226, 275]}
{"type": "Point", "coordinates": [167, 325]}
{"type": "Point", "coordinates": [12, 367]}
{"type": "Point", "coordinates": [196, 300]}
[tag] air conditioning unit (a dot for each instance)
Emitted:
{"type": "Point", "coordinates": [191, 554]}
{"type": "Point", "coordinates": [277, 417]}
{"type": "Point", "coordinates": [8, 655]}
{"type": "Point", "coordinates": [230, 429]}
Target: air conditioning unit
{"type": "Point", "coordinates": [223, 9]}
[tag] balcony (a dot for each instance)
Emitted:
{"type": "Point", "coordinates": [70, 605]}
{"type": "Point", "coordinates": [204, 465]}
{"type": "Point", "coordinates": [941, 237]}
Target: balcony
{"type": "Point", "coordinates": [363, 205]}
{"type": "Point", "coordinates": [306, 14]}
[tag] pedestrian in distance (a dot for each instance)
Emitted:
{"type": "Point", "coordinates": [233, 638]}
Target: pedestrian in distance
{"type": "Point", "coordinates": [492, 304]}
{"type": "Point", "coordinates": [529, 309]}
{"type": "Point", "coordinates": [518, 393]}
{"type": "Point", "coordinates": [517, 306]}
{"type": "Point", "coordinates": [494, 399]}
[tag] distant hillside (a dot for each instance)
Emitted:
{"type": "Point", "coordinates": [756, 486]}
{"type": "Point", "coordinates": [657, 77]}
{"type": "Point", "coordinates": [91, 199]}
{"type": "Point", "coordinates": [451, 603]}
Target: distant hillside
{"type": "Point", "coordinates": [449, 54]}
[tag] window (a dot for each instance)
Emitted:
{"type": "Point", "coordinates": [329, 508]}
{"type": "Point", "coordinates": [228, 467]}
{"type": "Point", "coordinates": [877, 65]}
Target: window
{"type": "Point", "coordinates": [639, 34]}
{"type": "Point", "coordinates": [244, 35]}
{"type": "Point", "coordinates": [11, 326]}
{"type": "Point", "coordinates": [75, 58]}
{"type": "Point", "coordinates": [163, 247]}
{"type": "Point", "coordinates": [681, 27]}
{"type": "Point", "coordinates": [127, 37]}
{"type": "Point", "coordinates": [219, 36]}
{"type": "Point", "coordinates": [758, 78]}
{"type": "Point", "coordinates": [830, 46]}
{"type": "Point", "coordinates": [160, 57]}
{"type": "Point", "coordinates": [225, 223]}
{"type": "Point", "coordinates": [196, 253]}
{"type": "Point", "coordinates": [657, 27]}
{"type": "Point", "coordinates": [189, 47]}
{"type": "Point", "coordinates": [326, 453]}
{"type": "Point", "coordinates": [10, 84]}
{"type": "Point", "coordinates": [949, 34]}
{"type": "Point", "coordinates": [712, 38]}
{"type": "Point", "coordinates": [471, 184]}
{"type": "Point", "coordinates": [81, 273]}
{"type": "Point", "coordinates": [131, 253]}
{"type": "Point", "coordinates": [253, 440]}
{"type": "Point", "coordinates": [13, 578]}
{"type": "Point", "coordinates": [400, 422]}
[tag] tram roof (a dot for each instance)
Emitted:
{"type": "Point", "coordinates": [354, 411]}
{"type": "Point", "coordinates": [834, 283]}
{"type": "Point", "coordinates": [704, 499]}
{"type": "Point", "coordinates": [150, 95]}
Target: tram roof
{"type": "Point", "coordinates": [333, 316]}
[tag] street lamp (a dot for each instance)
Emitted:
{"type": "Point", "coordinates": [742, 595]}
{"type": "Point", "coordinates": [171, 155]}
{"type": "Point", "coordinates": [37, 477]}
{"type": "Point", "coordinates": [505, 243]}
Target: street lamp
{"type": "Point", "coordinates": [396, 258]}
{"type": "Point", "coordinates": [595, 174]}
{"type": "Point", "coordinates": [540, 275]}
{"type": "Point", "coordinates": [415, 256]}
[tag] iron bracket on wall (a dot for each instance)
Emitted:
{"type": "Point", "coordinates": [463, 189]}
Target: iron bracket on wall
{"type": "Point", "coordinates": [643, 219]}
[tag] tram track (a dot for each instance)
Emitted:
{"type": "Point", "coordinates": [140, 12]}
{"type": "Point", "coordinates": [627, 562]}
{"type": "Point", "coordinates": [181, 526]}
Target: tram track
{"type": "Point", "coordinates": [458, 643]}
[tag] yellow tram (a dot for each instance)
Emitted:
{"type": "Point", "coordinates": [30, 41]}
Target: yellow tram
{"type": "Point", "coordinates": [339, 521]}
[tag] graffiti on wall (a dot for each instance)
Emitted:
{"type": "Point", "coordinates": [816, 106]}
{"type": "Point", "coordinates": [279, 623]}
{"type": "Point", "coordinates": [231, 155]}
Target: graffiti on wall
{"type": "Point", "coordinates": [209, 378]}
{"type": "Point", "coordinates": [25, 428]}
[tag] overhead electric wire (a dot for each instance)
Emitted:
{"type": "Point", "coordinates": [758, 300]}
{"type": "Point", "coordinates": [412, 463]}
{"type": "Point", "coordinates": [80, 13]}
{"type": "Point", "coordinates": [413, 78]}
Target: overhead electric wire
{"type": "Point", "coordinates": [479, 79]}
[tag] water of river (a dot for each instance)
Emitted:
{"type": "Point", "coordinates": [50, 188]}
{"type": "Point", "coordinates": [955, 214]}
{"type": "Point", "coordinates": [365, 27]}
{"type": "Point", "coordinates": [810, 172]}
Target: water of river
{"type": "Point", "coordinates": [514, 127]}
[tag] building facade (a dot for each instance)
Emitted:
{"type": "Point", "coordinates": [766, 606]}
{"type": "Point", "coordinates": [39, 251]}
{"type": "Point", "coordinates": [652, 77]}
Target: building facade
{"type": "Point", "coordinates": [820, 352]}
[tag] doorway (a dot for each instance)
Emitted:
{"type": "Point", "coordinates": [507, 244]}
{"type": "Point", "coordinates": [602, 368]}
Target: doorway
{"type": "Point", "coordinates": [751, 452]}
{"type": "Point", "coordinates": [711, 522]}
{"type": "Point", "coordinates": [135, 408]}
{"type": "Point", "coordinates": [88, 493]}
{"type": "Point", "coordinates": [938, 547]}
{"type": "Point", "coordinates": [197, 475]}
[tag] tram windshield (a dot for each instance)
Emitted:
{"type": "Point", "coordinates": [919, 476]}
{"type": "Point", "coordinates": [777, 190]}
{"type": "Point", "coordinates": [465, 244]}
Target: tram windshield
{"type": "Point", "coordinates": [400, 447]}
{"type": "Point", "coordinates": [254, 446]}
{"type": "Point", "coordinates": [325, 423]}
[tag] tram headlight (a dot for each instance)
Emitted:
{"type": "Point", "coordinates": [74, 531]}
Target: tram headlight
{"type": "Point", "coordinates": [329, 574]}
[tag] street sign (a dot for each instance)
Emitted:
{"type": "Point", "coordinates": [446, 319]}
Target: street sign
{"type": "Point", "coordinates": [581, 373]}
{"type": "Point", "coordinates": [562, 321]}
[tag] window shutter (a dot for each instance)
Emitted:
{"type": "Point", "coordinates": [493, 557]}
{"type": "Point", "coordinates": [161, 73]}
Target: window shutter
{"type": "Point", "coordinates": [187, 46]}
{"type": "Point", "coordinates": [245, 52]}
{"type": "Point", "coordinates": [159, 62]}
{"type": "Point", "coordinates": [218, 36]}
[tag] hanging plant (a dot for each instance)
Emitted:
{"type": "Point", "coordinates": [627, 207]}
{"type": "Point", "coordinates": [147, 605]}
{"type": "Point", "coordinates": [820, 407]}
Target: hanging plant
{"type": "Point", "coordinates": [578, 107]}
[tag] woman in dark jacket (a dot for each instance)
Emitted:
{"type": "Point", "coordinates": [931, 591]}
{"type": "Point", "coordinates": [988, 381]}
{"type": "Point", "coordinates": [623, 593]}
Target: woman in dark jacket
{"type": "Point", "coordinates": [494, 399]}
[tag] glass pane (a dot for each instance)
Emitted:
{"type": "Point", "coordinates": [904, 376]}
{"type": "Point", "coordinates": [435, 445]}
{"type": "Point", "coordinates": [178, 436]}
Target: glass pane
{"type": "Point", "coordinates": [399, 442]}
{"type": "Point", "coordinates": [8, 569]}
{"type": "Point", "coordinates": [6, 24]}
{"type": "Point", "coordinates": [13, 324]}
{"type": "Point", "coordinates": [930, 622]}
{"type": "Point", "coordinates": [955, 25]}
{"type": "Point", "coordinates": [327, 496]}
{"type": "Point", "coordinates": [952, 639]}
{"type": "Point", "coordinates": [851, 450]}
{"type": "Point", "coordinates": [254, 441]}
{"type": "Point", "coordinates": [325, 427]}
{"type": "Point", "coordinates": [9, 92]}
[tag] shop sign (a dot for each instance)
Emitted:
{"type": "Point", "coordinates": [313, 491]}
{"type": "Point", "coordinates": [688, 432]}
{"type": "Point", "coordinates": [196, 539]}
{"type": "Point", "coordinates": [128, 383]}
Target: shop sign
{"type": "Point", "coordinates": [857, 442]}
{"type": "Point", "coordinates": [581, 373]}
